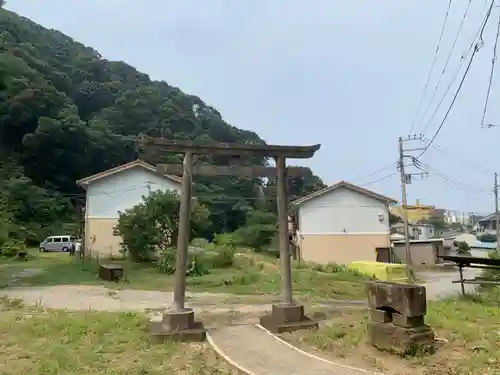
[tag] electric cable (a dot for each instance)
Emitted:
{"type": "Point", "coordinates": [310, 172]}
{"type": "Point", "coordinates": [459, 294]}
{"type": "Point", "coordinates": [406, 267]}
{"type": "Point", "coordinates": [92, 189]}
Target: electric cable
{"type": "Point", "coordinates": [447, 62]}
{"type": "Point", "coordinates": [492, 72]}
{"type": "Point", "coordinates": [431, 70]}
{"type": "Point", "coordinates": [474, 48]}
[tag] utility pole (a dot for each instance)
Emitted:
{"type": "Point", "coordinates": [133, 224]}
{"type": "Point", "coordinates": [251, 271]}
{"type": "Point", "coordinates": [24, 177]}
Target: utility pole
{"type": "Point", "coordinates": [406, 179]}
{"type": "Point", "coordinates": [497, 219]}
{"type": "Point", "coordinates": [405, 211]}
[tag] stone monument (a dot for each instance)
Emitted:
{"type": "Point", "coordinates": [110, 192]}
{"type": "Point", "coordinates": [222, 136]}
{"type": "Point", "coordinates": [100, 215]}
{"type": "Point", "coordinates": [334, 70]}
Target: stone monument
{"type": "Point", "coordinates": [397, 318]}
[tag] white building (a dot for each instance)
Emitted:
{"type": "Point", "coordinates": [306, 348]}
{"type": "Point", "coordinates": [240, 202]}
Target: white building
{"type": "Point", "coordinates": [342, 223]}
{"type": "Point", "coordinates": [114, 191]}
{"type": "Point", "coordinates": [420, 232]}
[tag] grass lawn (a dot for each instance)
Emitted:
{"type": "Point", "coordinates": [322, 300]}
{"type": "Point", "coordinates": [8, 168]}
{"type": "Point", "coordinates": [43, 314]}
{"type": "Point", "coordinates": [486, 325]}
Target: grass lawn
{"type": "Point", "coordinates": [35, 341]}
{"type": "Point", "coordinates": [251, 275]}
{"type": "Point", "coordinates": [471, 327]}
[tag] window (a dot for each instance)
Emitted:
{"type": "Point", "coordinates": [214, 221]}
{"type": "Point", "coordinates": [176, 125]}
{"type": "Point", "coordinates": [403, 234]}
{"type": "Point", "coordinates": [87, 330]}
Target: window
{"type": "Point", "coordinates": [57, 239]}
{"type": "Point", "coordinates": [65, 239]}
{"type": "Point", "coordinates": [49, 240]}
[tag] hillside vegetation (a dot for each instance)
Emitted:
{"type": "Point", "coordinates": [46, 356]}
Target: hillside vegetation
{"type": "Point", "coordinates": [66, 113]}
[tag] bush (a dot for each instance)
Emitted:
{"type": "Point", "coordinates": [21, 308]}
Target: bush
{"type": "Point", "coordinates": [223, 257]}
{"type": "Point", "coordinates": [151, 227]}
{"type": "Point", "coordinates": [201, 243]}
{"type": "Point", "coordinates": [492, 274]}
{"type": "Point", "coordinates": [259, 229]}
{"type": "Point", "coordinates": [10, 248]}
{"type": "Point", "coordinates": [195, 265]}
{"type": "Point", "coordinates": [223, 239]}
{"type": "Point", "coordinates": [463, 247]}
{"type": "Point", "coordinates": [166, 261]}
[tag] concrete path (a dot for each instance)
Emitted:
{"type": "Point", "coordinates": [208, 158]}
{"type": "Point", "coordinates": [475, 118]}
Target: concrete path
{"type": "Point", "coordinates": [257, 352]}
{"type": "Point", "coordinates": [439, 285]}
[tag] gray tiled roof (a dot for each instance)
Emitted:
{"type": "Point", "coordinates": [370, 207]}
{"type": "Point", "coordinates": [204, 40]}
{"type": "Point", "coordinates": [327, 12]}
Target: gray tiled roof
{"type": "Point", "coordinates": [488, 217]}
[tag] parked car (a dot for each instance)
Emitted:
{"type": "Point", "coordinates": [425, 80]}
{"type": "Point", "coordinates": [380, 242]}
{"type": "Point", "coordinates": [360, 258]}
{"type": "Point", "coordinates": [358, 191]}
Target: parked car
{"type": "Point", "coordinates": [56, 243]}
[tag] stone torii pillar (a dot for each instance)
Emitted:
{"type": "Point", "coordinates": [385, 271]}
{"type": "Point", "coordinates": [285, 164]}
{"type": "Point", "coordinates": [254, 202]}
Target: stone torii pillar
{"type": "Point", "coordinates": [178, 321]}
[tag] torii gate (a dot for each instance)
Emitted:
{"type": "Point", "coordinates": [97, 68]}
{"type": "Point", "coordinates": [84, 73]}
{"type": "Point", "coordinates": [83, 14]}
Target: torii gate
{"type": "Point", "coordinates": [178, 321]}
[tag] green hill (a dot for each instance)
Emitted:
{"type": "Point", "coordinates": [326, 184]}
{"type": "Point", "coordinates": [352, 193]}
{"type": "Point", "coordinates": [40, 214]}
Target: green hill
{"type": "Point", "coordinates": [66, 113]}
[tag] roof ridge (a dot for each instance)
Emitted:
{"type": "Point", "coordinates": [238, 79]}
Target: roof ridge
{"type": "Point", "coordinates": [123, 167]}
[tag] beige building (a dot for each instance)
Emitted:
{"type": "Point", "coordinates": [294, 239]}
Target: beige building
{"type": "Point", "coordinates": [113, 191]}
{"type": "Point", "coordinates": [341, 224]}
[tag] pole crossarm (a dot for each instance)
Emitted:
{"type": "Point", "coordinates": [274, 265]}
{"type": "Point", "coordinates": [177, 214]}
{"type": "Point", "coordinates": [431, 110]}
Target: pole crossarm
{"type": "Point", "coordinates": [293, 152]}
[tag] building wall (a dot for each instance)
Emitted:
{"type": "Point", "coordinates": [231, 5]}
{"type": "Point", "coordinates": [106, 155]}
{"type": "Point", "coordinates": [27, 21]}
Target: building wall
{"type": "Point", "coordinates": [342, 226]}
{"type": "Point", "coordinates": [422, 232]}
{"type": "Point", "coordinates": [106, 197]}
{"type": "Point", "coordinates": [421, 253]}
{"type": "Point", "coordinates": [114, 194]}
{"type": "Point", "coordinates": [343, 211]}
{"type": "Point", "coordinates": [99, 238]}
{"type": "Point", "coordinates": [341, 248]}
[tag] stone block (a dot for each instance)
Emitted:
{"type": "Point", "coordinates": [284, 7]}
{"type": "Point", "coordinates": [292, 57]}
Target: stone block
{"type": "Point", "coordinates": [177, 326]}
{"type": "Point", "coordinates": [287, 318]}
{"type": "Point", "coordinates": [380, 316]}
{"type": "Point", "coordinates": [407, 321]}
{"type": "Point", "coordinates": [399, 340]}
{"type": "Point", "coordinates": [287, 313]}
{"type": "Point", "coordinates": [178, 320]}
{"type": "Point", "coordinates": [406, 299]}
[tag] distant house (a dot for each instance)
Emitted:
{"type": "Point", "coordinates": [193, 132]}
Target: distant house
{"type": "Point", "coordinates": [416, 231]}
{"type": "Point", "coordinates": [342, 223]}
{"type": "Point", "coordinates": [416, 212]}
{"type": "Point", "coordinates": [487, 224]}
{"type": "Point", "coordinates": [114, 191]}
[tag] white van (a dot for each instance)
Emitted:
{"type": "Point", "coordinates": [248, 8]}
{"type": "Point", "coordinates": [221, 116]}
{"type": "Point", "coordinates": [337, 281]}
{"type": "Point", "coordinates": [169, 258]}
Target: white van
{"type": "Point", "coordinates": [56, 243]}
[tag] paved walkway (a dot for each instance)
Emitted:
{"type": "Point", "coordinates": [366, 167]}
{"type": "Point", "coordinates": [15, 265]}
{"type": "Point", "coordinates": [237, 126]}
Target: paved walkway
{"type": "Point", "coordinates": [257, 352]}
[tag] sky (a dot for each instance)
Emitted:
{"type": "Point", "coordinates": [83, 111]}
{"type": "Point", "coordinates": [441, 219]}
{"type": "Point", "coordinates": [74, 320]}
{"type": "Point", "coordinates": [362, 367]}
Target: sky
{"type": "Point", "coordinates": [346, 74]}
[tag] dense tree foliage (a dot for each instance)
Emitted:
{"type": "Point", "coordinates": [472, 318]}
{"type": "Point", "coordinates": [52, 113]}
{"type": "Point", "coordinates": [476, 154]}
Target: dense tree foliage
{"type": "Point", "coordinates": [67, 113]}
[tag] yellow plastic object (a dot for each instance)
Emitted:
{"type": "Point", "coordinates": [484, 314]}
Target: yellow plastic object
{"type": "Point", "coordinates": [381, 271]}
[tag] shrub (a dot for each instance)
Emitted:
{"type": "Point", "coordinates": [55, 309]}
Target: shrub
{"type": "Point", "coordinates": [223, 257]}
{"type": "Point", "coordinates": [166, 261]}
{"type": "Point", "coordinates": [201, 243]}
{"type": "Point", "coordinates": [151, 226]}
{"type": "Point", "coordinates": [463, 247]}
{"type": "Point", "coordinates": [224, 239]}
{"type": "Point", "coordinates": [492, 274]}
{"type": "Point", "coordinates": [195, 265]}
{"type": "Point", "coordinates": [11, 247]}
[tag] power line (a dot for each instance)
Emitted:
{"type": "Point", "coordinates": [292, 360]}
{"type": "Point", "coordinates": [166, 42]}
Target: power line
{"type": "Point", "coordinates": [379, 179]}
{"type": "Point", "coordinates": [474, 48]}
{"type": "Point", "coordinates": [461, 161]}
{"type": "Point", "coordinates": [493, 61]}
{"type": "Point", "coordinates": [385, 167]}
{"type": "Point", "coordinates": [434, 60]}
{"type": "Point", "coordinates": [447, 61]}
{"type": "Point", "coordinates": [453, 182]}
